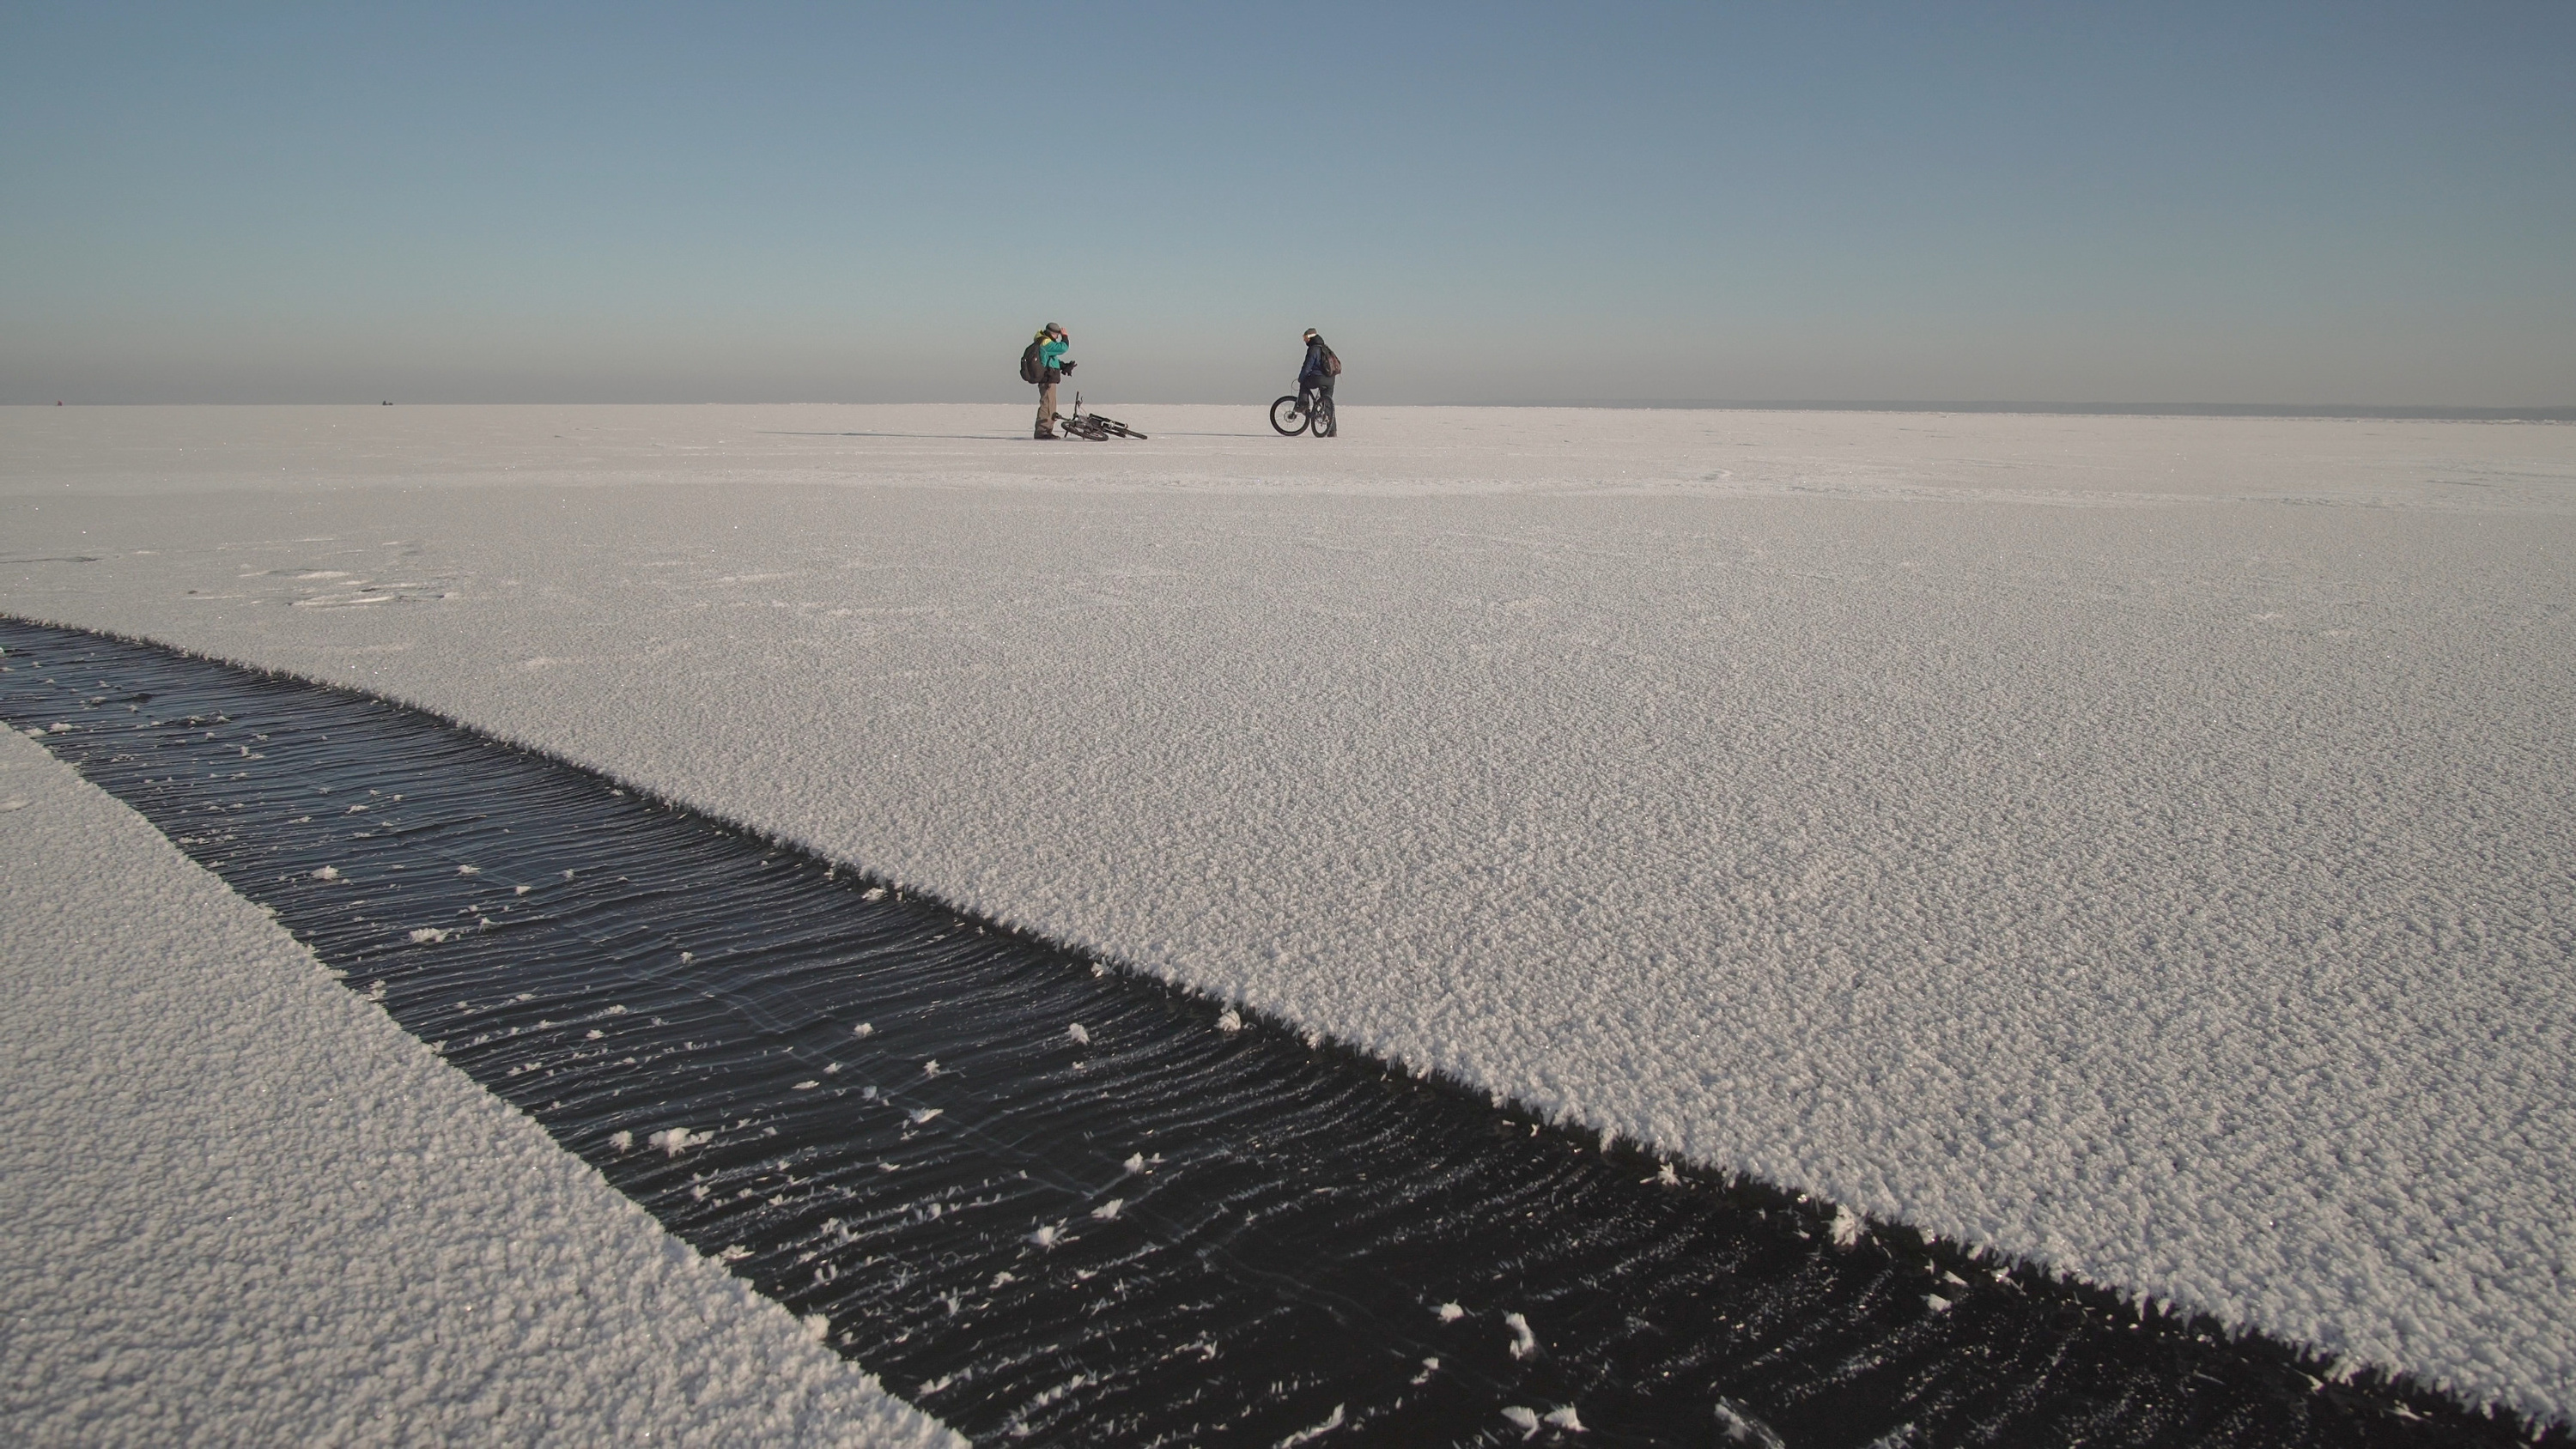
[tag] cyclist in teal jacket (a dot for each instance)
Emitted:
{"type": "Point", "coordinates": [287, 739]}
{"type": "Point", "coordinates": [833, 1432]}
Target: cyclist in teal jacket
{"type": "Point", "coordinates": [1052, 341]}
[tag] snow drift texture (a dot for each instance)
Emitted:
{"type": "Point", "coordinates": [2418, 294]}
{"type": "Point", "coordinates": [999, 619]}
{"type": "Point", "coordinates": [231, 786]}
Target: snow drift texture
{"type": "Point", "coordinates": [245, 1208]}
{"type": "Point", "coordinates": [2144, 844]}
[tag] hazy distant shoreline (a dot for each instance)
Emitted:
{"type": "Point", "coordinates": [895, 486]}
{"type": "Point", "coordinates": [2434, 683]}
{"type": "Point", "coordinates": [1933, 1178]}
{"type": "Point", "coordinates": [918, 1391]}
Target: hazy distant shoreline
{"type": "Point", "coordinates": [2106, 409]}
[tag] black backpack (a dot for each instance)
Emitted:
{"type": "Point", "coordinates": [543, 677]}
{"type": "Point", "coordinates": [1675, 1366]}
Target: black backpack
{"type": "Point", "coordinates": [1032, 367]}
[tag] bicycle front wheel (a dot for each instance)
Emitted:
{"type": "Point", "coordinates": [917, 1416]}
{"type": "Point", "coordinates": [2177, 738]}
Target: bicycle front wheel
{"type": "Point", "coordinates": [1287, 417]}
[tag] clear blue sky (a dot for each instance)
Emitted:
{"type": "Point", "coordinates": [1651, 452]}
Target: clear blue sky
{"type": "Point", "coordinates": [1478, 202]}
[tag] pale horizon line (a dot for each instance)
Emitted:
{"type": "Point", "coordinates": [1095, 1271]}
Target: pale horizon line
{"type": "Point", "coordinates": [2395, 412]}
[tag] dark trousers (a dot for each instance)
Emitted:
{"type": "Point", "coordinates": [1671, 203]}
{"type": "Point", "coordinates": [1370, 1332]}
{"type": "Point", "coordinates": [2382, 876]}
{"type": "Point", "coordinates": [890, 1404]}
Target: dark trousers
{"type": "Point", "coordinates": [1320, 390]}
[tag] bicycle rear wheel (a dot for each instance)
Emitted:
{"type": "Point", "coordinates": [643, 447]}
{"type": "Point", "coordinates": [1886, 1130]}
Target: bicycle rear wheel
{"type": "Point", "coordinates": [1287, 417]}
{"type": "Point", "coordinates": [1323, 422]}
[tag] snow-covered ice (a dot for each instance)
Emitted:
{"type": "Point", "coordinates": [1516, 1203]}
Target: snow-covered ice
{"type": "Point", "coordinates": [245, 1207]}
{"type": "Point", "coordinates": [1331, 1422]}
{"type": "Point", "coordinates": [2139, 843]}
{"type": "Point", "coordinates": [1740, 1427]}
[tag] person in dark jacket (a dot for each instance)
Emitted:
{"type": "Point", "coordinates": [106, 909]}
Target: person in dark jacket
{"type": "Point", "coordinates": [1317, 375]}
{"type": "Point", "coordinates": [1052, 341]}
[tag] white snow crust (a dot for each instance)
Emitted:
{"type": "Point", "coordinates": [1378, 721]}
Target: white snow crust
{"type": "Point", "coordinates": [245, 1208]}
{"type": "Point", "coordinates": [2142, 844]}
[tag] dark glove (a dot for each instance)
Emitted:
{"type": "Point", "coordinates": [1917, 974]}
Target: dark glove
{"type": "Point", "coordinates": [1066, 366]}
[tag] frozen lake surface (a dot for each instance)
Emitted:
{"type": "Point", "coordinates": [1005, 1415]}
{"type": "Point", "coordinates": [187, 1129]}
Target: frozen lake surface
{"type": "Point", "coordinates": [1060, 1204]}
{"type": "Point", "coordinates": [245, 1208]}
{"type": "Point", "coordinates": [2139, 844]}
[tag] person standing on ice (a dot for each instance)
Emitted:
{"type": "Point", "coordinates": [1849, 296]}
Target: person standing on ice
{"type": "Point", "coordinates": [1317, 375]}
{"type": "Point", "coordinates": [1047, 353]}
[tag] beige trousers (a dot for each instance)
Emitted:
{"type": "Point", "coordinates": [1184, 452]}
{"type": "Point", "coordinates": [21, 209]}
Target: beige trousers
{"type": "Point", "coordinates": [1046, 405]}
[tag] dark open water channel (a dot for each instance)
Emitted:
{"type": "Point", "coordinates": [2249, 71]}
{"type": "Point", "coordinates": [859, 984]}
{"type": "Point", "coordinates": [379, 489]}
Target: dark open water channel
{"type": "Point", "coordinates": [1056, 1202]}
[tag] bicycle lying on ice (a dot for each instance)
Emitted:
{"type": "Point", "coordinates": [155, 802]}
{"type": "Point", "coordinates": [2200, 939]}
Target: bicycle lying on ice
{"type": "Point", "coordinates": [1304, 410]}
{"type": "Point", "coordinates": [1093, 426]}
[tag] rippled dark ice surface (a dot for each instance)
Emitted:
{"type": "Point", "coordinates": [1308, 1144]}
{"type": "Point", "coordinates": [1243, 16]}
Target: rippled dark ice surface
{"type": "Point", "coordinates": [1056, 1202]}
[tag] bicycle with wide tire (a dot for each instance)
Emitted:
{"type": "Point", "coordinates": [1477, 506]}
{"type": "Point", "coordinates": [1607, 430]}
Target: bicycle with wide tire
{"type": "Point", "coordinates": [1093, 426]}
{"type": "Point", "coordinates": [1304, 411]}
